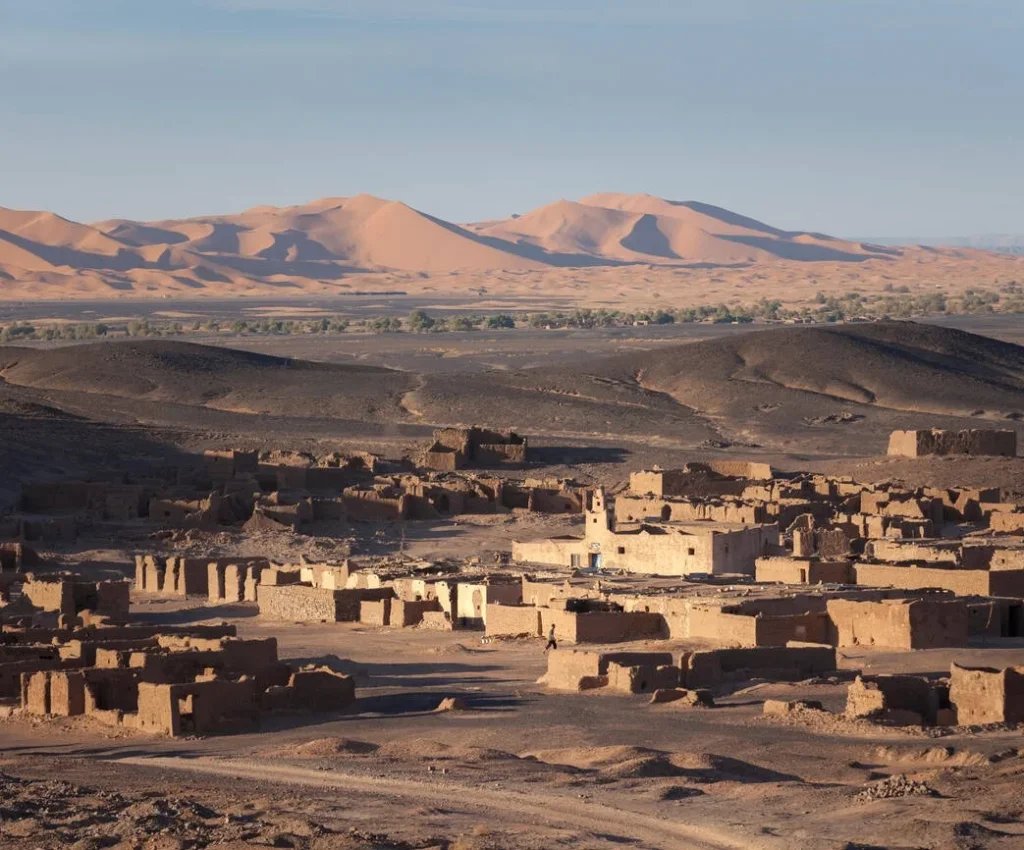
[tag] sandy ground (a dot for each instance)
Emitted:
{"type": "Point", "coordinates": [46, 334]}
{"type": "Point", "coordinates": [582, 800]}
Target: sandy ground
{"type": "Point", "coordinates": [522, 767]}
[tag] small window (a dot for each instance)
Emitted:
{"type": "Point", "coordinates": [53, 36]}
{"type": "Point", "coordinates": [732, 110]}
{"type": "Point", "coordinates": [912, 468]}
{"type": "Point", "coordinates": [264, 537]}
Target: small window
{"type": "Point", "coordinates": [622, 550]}
{"type": "Point", "coordinates": [691, 552]}
{"type": "Point", "coordinates": [574, 560]}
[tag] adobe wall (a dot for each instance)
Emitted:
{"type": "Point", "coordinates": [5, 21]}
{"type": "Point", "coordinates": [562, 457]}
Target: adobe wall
{"type": "Point", "coordinates": [982, 695]}
{"type": "Point", "coordinates": [710, 623]}
{"type": "Point", "coordinates": [937, 442]}
{"type": "Point", "coordinates": [43, 497]}
{"type": "Point", "coordinates": [405, 613]}
{"type": "Point", "coordinates": [369, 506]}
{"type": "Point", "coordinates": [322, 690]}
{"type": "Point", "coordinates": [542, 593]}
{"type": "Point", "coordinates": [809, 627]}
{"type": "Point", "coordinates": [375, 612]}
{"type": "Point", "coordinates": [903, 699]}
{"type": "Point", "coordinates": [641, 678]}
{"type": "Point", "coordinates": [631, 508]}
{"type": "Point", "coordinates": [299, 603]}
{"type": "Point", "coordinates": [567, 667]}
{"type": "Point", "coordinates": [602, 626]}
{"type": "Point", "coordinates": [113, 599]}
{"type": "Point", "coordinates": [737, 551]}
{"type": "Point", "coordinates": [442, 459]}
{"type": "Point", "coordinates": [899, 624]}
{"type": "Point", "coordinates": [216, 706]}
{"type": "Point", "coordinates": [713, 667]}
{"type": "Point", "coordinates": [56, 595]}
{"type": "Point", "coordinates": [474, 599]}
{"type": "Point", "coordinates": [960, 582]}
{"type": "Point", "coordinates": [1006, 583]}
{"type": "Point", "coordinates": [512, 620]}
{"type": "Point", "coordinates": [500, 454]}
{"type": "Point", "coordinates": [783, 570]}
{"type": "Point", "coordinates": [932, 551]}
{"type": "Point", "coordinates": [557, 551]}
{"type": "Point", "coordinates": [654, 554]}
{"type": "Point", "coordinates": [1006, 522]}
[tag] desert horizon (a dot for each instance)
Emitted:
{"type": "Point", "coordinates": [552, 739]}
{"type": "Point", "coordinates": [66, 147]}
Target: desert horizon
{"type": "Point", "coordinates": [608, 249]}
{"type": "Point", "coordinates": [468, 502]}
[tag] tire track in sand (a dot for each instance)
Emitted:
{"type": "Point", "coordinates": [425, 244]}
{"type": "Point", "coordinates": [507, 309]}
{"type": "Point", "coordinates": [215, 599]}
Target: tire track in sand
{"type": "Point", "coordinates": [549, 808]}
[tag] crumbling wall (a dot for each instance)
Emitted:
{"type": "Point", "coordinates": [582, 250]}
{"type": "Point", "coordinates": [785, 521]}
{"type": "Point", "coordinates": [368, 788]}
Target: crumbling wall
{"type": "Point", "coordinates": [711, 668]}
{"type": "Point", "coordinates": [50, 593]}
{"type": "Point", "coordinates": [405, 613]}
{"type": "Point", "coordinates": [982, 695]}
{"type": "Point", "coordinates": [569, 668]}
{"type": "Point", "coordinates": [199, 708]}
{"type": "Point", "coordinates": [937, 442]}
{"type": "Point", "coordinates": [900, 700]}
{"type": "Point", "coordinates": [301, 603]}
{"type": "Point", "coordinates": [899, 623]}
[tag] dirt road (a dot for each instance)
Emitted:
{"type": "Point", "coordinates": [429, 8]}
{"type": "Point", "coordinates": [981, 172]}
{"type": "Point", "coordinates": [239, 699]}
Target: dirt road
{"type": "Point", "coordinates": [610, 824]}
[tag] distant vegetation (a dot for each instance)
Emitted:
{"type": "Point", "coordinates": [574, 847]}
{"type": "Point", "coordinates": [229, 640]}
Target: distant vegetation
{"type": "Point", "coordinates": [893, 303]}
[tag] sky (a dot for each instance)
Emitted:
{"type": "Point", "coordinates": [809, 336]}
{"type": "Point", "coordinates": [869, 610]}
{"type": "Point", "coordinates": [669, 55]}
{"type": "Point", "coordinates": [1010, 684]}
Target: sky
{"type": "Point", "coordinates": [849, 117]}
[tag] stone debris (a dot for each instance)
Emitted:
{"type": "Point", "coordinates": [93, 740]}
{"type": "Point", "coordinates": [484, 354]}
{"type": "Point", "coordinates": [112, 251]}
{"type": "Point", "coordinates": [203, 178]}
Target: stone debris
{"type": "Point", "coordinates": [898, 785]}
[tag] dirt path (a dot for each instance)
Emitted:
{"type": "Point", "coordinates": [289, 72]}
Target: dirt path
{"type": "Point", "coordinates": [551, 808]}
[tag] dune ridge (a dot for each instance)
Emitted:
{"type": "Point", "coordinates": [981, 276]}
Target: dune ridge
{"type": "Point", "coordinates": [331, 244]}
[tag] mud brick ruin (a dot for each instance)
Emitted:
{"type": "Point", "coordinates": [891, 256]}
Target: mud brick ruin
{"type": "Point", "coordinates": [172, 680]}
{"type": "Point", "coordinates": [936, 442]}
{"type": "Point", "coordinates": [721, 571]}
{"type": "Point", "coordinates": [458, 448]}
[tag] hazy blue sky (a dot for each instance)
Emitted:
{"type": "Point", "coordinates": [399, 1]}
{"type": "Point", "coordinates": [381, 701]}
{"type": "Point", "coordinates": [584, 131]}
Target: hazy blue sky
{"type": "Point", "coordinates": [854, 117]}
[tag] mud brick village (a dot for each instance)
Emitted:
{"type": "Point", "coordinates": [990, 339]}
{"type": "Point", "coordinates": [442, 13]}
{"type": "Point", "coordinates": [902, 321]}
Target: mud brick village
{"type": "Point", "coordinates": [672, 645]}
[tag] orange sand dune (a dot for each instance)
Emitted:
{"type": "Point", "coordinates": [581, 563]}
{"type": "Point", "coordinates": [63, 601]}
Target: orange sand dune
{"type": "Point", "coordinates": [607, 249]}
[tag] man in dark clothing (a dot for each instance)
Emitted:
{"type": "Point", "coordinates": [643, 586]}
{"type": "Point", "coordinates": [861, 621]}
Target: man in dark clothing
{"type": "Point", "coordinates": [551, 639]}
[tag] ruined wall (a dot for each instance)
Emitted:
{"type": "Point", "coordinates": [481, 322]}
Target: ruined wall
{"type": "Point", "coordinates": [568, 667]}
{"type": "Point", "coordinates": [631, 508]}
{"type": "Point", "coordinates": [370, 506]}
{"type": "Point", "coordinates": [713, 667]}
{"type": "Point", "coordinates": [937, 442]}
{"type": "Point", "coordinates": [982, 695]}
{"type": "Point", "coordinates": [299, 603]}
{"type": "Point", "coordinates": [406, 613]}
{"type": "Point", "coordinates": [899, 624]}
{"type": "Point", "coordinates": [50, 595]}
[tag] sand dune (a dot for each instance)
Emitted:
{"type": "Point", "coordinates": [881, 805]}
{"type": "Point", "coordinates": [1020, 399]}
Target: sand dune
{"type": "Point", "coordinates": [332, 244]}
{"type": "Point", "coordinates": [653, 229]}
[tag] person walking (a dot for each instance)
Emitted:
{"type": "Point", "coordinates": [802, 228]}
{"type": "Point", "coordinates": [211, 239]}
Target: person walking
{"type": "Point", "coordinates": [552, 644]}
